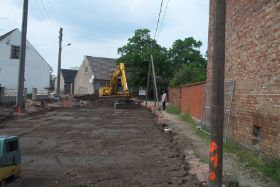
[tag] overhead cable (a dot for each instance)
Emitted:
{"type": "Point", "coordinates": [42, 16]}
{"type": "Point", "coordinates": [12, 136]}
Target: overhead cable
{"type": "Point", "coordinates": [159, 15]}
{"type": "Point", "coordinates": [163, 18]}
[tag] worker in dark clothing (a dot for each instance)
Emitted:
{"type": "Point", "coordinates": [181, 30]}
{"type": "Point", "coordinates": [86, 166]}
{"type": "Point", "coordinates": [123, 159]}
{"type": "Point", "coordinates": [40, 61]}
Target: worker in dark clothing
{"type": "Point", "coordinates": [163, 100]}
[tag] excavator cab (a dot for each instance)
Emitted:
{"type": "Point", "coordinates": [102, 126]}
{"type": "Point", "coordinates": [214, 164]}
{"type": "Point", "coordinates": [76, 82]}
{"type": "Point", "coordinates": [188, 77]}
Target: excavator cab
{"type": "Point", "coordinates": [9, 157]}
{"type": "Point", "coordinates": [119, 86]}
{"type": "Point", "coordinates": [118, 83]}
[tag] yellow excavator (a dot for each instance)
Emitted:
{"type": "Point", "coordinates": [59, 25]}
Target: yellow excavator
{"type": "Point", "coordinates": [118, 83]}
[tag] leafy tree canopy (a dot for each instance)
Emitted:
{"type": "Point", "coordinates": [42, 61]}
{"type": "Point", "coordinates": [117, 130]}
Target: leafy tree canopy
{"type": "Point", "coordinates": [188, 73]}
{"type": "Point", "coordinates": [136, 56]}
{"type": "Point", "coordinates": [189, 66]}
{"type": "Point", "coordinates": [181, 64]}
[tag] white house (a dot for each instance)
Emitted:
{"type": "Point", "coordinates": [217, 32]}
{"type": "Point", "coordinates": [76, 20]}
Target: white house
{"type": "Point", "coordinates": [37, 70]}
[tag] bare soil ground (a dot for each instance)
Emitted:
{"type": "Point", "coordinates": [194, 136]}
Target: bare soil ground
{"type": "Point", "coordinates": [98, 146]}
{"type": "Point", "coordinates": [196, 149]}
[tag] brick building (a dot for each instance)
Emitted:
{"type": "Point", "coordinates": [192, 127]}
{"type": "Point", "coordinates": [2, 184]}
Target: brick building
{"type": "Point", "coordinates": [253, 60]}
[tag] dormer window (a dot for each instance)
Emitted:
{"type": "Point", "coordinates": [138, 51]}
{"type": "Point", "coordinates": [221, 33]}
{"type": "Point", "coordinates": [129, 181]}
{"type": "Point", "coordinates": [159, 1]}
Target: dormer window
{"type": "Point", "coordinates": [15, 51]}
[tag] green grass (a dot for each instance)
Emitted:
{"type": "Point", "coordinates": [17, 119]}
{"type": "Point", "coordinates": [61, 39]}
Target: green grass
{"type": "Point", "coordinates": [269, 167]}
{"type": "Point", "coordinates": [173, 110]}
{"type": "Point", "coordinates": [183, 116]}
{"type": "Point", "coordinates": [187, 118]}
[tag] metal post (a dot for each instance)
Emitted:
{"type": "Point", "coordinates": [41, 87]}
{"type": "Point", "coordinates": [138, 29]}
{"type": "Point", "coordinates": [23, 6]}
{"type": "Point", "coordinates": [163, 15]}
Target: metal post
{"type": "Point", "coordinates": [217, 100]}
{"type": "Point", "coordinates": [229, 115]}
{"type": "Point", "coordinates": [154, 80]}
{"type": "Point", "coordinates": [20, 90]}
{"type": "Point", "coordinates": [148, 82]}
{"type": "Point", "coordinates": [59, 63]}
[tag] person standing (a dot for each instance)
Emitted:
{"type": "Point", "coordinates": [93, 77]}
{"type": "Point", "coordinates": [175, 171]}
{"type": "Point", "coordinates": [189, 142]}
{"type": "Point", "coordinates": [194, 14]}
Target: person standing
{"type": "Point", "coordinates": [163, 100]}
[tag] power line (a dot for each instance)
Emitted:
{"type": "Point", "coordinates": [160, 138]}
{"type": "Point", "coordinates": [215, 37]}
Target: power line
{"type": "Point", "coordinates": [55, 15]}
{"type": "Point", "coordinates": [158, 18]}
{"type": "Point", "coordinates": [47, 14]}
{"type": "Point", "coordinates": [42, 13]}
{"type": "Point", "coordinates": [44, 17]}
{"type": "Point", "coordinates": [51, 12]}
{"type": "Point", "coordinates": [163, 17]}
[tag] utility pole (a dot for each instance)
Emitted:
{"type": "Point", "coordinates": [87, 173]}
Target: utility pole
{"type": "Point", "coordinates": [20, 99]}
{"type": "Point", "coordinates": [148, 82]}
{"type": "Point", "coordinates": [217, 99]}
{"type": "Point", "coordinates": [59, 63]}
{"type": "Point", "coordinates": [154, 80]}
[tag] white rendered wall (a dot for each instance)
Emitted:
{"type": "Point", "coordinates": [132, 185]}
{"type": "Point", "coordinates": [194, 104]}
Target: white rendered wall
{"type": "Point", "coordinates": [37, 70]}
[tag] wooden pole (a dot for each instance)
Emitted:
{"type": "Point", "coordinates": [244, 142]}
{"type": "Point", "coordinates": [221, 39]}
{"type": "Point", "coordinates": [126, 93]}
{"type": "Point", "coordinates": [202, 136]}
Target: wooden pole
{"type": "Point", "coordinates": [20, 98]}
{"type": "Point", "coordinates": [59, 63]}
{"type": "Point", "coordinates": [217, 99]}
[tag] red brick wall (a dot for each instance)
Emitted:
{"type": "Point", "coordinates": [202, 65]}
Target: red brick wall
{"type": "Point", "coordinates": [253, 60]}
{"type": "Point", "coordinates": [174, 96]}
{"type": "Point", "coordinates": [189, 98]}
{"type": "Point", "coordinates": [192, 99]}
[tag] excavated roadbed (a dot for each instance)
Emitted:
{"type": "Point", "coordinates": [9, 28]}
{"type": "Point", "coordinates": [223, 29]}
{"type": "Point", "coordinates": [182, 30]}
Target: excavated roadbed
{"type": "Point", "coordinates": [98, 145]}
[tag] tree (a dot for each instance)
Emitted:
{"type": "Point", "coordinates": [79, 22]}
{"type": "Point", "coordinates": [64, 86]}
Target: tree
{"type": "Point", "coordinates": [136, 57]}
{"type": "Point", "coordinates": [189, 66]}
{"type": "Point", "coordinates": [52, 80]}
{"type": "Point", "coordinates": [187, 74]}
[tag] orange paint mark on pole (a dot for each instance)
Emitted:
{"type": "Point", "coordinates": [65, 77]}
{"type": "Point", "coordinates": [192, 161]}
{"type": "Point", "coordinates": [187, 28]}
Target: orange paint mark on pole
{"type": "Point", "coordinates": [213, 147]}
{"type": "Point", "coordinates": [212, 176]}
{"type": "Point", "coordinates": [214, 159]}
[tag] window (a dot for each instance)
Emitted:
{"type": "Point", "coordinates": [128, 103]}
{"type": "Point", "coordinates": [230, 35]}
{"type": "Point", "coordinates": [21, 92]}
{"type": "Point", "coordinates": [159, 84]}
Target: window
{"type": "Point", "coordinates": [256, 138]}
{"type": "Point", "coordinates": [15, 51]}
{"type": "Point", "coordinates": [11, 146]}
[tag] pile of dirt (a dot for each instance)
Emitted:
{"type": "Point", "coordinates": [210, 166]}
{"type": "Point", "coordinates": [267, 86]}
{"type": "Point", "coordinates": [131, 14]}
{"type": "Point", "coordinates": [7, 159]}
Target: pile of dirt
{"type": "Point", "coordinates": [89, 97]}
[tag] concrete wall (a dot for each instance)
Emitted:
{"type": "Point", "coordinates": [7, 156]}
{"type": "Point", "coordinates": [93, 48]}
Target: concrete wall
{"type": "Point", "coordinates": [37, 70]}
{"type": "Point", "coordinates": [253, 60]}
{"type": "Point", "coordinates": [82, 85]}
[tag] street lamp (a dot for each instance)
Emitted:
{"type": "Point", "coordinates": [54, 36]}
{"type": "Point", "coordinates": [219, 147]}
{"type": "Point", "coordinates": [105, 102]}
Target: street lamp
{"type": "Point", "coordinates": [66, 45]}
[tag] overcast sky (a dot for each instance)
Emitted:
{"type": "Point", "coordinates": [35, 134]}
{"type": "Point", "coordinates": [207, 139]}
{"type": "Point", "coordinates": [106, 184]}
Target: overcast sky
{"type": "Point", "coordinates": [99, 27]}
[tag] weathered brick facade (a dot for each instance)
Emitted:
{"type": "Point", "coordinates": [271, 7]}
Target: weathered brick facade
{"type": "Point", "coordinates": [253, 60]}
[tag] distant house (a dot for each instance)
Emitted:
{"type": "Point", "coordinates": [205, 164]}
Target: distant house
{"type": "Point", "coordinates": [37, 70]}
{"type": "Point", "coordinates": [93, 73]}
{"type": "Point", "coordinates": [67, 79]}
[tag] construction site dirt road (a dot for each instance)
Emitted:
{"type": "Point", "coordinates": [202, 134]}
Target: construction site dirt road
{"type": "Point", "coordinates": [98, 145]}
